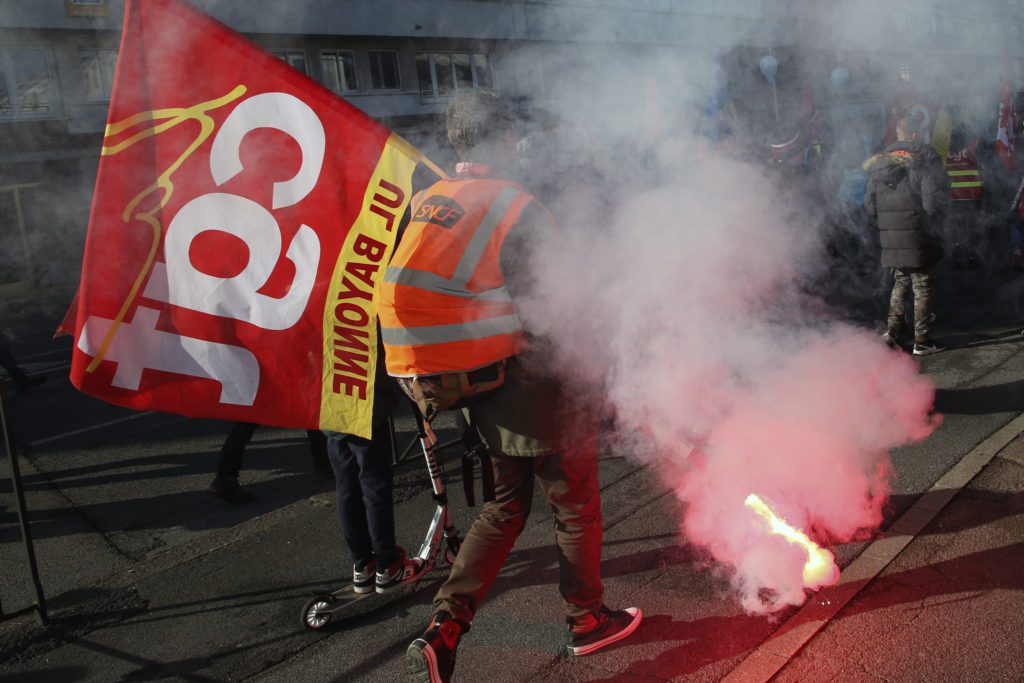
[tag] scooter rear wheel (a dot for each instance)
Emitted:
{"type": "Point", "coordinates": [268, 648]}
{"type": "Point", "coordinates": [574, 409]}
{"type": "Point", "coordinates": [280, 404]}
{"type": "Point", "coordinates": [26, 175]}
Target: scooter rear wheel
{"type": "Point", "coordinates": [314, 616]}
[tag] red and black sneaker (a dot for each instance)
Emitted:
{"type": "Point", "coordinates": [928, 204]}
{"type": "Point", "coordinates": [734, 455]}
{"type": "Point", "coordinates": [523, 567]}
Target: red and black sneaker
{"type": "Point", "coordinates": [401, 572]}
{"type": "Point", "coordinates": [595, 631]}
{"type": "Point", "coordinates": [431, 657]}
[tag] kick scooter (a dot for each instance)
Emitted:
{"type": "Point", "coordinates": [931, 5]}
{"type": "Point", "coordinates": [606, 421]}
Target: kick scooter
{"type": "Point", "coordinates": [322, 609]}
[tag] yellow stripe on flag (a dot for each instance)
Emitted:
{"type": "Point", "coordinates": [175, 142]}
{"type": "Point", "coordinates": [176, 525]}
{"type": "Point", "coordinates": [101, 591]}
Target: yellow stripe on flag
{"type": "Point", "coordinates": [350, 314]}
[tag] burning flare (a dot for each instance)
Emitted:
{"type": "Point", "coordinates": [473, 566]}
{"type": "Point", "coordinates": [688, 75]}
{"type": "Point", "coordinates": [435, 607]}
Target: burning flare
{"type": "Point", "coordinates": [820, 568]}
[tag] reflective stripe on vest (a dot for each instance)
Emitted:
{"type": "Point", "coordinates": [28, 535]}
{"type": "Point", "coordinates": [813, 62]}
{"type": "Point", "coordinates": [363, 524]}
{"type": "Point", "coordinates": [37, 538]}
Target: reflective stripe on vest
{"type": "Point", "coordinates": [965, 183]}
{"type": "Point", "coordinates": [445, 334]}
{"type": "Point", "coordinates": [468, 262]}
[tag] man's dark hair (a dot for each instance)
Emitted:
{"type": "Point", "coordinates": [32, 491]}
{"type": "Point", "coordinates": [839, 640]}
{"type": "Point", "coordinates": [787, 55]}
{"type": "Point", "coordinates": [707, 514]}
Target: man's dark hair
{"type": "Point", "coordinates": [477, 118]}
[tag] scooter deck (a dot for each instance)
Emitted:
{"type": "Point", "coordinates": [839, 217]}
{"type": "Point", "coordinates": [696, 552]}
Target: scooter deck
{"type": "Point", "coordinates": [344, 603]}
{"type": "Point", "coordinates": [346, 597]}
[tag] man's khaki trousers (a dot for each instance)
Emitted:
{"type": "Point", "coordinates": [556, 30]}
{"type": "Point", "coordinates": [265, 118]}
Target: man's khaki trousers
{"type": "Point", "coordinates": [569, 482]}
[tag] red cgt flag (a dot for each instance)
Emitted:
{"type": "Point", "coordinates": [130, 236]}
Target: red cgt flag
{"type": "Point", "coordinates": [242, 220]}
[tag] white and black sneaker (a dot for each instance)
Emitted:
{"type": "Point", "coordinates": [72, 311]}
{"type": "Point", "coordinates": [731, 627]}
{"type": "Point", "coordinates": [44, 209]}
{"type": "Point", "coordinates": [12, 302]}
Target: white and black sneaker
{"type": "Point", "coordinates": [926, 348]}
{"type": "Point", "coordinates": [594, 632]}
{"type": "Point", "coordinates": [364, 577]}
{"type": "Point", "coordinates": [400, 573]}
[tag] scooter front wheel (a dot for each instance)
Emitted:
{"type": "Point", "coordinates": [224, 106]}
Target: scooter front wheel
{"type": "Point", "coordinates": [314, 614]}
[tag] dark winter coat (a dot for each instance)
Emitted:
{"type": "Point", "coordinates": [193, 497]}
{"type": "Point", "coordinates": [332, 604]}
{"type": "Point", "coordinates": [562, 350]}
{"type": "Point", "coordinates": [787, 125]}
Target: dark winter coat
{"type": "Point", "coordinates": [908, 192]}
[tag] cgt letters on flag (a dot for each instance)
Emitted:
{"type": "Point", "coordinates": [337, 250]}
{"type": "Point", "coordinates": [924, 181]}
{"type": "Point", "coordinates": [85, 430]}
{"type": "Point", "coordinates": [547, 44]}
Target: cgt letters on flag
{"type": "Point", "coordinates": [241, 220]}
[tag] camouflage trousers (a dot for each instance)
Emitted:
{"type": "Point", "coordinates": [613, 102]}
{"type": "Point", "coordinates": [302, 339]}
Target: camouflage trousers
{"type": "Point", "coordinates": [920, 280]}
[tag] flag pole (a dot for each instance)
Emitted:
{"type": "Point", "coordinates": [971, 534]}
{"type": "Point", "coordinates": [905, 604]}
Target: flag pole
{"type": "Point", "coordinates": [775, 96]}
{"type": "Point", "coordinates": [19, 496]}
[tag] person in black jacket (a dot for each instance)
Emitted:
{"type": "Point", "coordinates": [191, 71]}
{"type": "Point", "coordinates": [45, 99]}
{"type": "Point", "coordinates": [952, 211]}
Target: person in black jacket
{"type": "Point", "coordinates": [908, 193]}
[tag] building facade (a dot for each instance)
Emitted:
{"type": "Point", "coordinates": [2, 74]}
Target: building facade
{"type": "Point", "coordinates": [402, 60]}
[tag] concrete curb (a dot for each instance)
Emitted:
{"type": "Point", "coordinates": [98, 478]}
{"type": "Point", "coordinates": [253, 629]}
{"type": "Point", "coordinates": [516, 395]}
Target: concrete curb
{"type": "Point", "coordinates": [776, 652]}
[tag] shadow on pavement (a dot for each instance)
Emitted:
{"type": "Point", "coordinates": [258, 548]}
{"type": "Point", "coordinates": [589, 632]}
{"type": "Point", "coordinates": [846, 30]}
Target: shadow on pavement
{"type": "Point", "coordinates": [269, 596]}
{"type": "Point", "coordinates": [699, 643]}
{"type": "Point", "coordinates": [977, 573]}
{"type": "Point", "coordinates": [60, 673]}
{"type": "Point", "coordinates": [1001, 398]}
{"type": "Point", "coordinates": [1009, 505]}
{"type": "Point", "coordinates": [186, 510]}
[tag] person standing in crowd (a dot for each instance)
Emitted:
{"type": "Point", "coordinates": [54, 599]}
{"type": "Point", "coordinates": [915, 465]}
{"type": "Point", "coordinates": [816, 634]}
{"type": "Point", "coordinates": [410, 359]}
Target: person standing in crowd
{"type": "Point", "coordinates": [225, 485]}
{"type": "Point", "coordinates": [363, 485]}
{"type": "Point", "coordinates": [449, 323]}
{"type": "Point", "coordinates": [908, 195]}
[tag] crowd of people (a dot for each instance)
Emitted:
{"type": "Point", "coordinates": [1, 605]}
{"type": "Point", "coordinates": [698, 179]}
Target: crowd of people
{"type": "Point", "coordinates": [925, 194]}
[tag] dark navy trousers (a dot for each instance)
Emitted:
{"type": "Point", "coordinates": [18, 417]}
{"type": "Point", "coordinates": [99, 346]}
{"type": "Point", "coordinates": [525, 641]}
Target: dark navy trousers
{"type": "Point", "coordinates": [363, 479]}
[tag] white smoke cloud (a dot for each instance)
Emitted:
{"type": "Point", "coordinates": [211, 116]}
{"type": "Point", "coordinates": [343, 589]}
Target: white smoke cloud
{"type": "Point", "coordinates": [686, 308]}
{"type": "Point", "coordinates": [683, 294]}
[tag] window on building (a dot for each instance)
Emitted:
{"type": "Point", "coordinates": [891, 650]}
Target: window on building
{"type": "Point", "coordinates": [463, 72]}
{"type": "Point", "coordinates": [98, 72]}
{"type": "Point", "coordinates": [384, 73]}
{"type": "Point", "coordinates": [445, 74]}
{"type": "Point", "coordinates": [444, 84]}
{"type": "Point", "coordinates": [26, 83]}
{"type": "Point", "coordinates": [339, 67]}
{"type": "Point", "coordinates": [905, 72]}
{"type": "Point", "coordinates": [5, 93]}
{"type": "Point", "coordinates": [423, 76]}
{"type": "Point", "coordinates": [482, 71]}
{"type": "Point", "coordinates": [296, 59]}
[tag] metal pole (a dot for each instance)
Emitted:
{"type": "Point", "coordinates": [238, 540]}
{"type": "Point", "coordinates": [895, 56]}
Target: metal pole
{"type": "Point", "coordinates": [19, 497]}
{"type": "Point", "coordinates": [391, 440]}
{"type": "Point", "coordinates": [775, 95]}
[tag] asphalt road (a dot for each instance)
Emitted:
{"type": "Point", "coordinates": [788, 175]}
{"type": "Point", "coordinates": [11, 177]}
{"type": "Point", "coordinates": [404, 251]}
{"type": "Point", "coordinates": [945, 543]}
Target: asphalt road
{"type": "Point", "coordinates": [152, 578]}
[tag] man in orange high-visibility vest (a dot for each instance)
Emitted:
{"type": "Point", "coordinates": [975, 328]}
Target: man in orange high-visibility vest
{"type": "Point", "coordinates": [448, 308]}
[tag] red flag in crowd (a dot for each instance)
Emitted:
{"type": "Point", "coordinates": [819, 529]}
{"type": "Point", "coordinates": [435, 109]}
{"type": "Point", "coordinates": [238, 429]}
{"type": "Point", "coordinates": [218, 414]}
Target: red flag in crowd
{"type": "Point", "coordinates": [242, 220]}
{"type": "Point", "coordinates": [1007, 121]}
